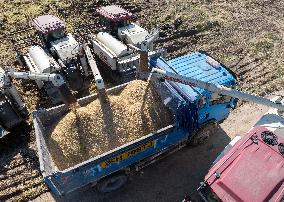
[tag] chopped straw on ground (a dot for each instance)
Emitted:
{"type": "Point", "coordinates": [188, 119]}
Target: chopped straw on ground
{"type": "Point", "coordinates": [100, 127]}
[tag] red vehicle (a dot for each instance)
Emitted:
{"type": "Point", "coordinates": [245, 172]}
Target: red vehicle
{"type": "Point", "coordinates": [252, 169]}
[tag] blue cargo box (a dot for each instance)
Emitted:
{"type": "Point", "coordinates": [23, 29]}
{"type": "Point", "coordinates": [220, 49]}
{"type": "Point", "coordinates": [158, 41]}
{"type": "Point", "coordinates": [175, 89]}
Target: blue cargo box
{"type": "Point", "coordinates": [133, 153]}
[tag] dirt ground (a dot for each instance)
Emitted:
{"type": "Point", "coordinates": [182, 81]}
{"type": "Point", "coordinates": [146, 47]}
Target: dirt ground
{"type": "Point", "coordinates": [247, 36]}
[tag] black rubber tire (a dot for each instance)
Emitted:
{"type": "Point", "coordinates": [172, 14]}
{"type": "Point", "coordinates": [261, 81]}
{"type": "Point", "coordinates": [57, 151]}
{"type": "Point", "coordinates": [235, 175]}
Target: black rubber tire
{"type": "Point", "coordinates": [203, 134]}
{"type": "Point", "coordinates": [213, 198]}
{"type": "Point", "coordinates": [111, 183]}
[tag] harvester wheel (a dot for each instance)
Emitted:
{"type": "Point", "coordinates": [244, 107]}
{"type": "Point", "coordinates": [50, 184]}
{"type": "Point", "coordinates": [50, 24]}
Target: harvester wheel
{"type": "Point", "coordinates": [203, 134]}
{"type": "Point", "coordinates": [112, 183]}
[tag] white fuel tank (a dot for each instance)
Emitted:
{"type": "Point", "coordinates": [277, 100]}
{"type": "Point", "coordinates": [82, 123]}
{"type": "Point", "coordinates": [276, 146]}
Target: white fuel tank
{"type": "Point", "coordinates": [113, 44]}
{"type": "Point", "coordinates": [40, 58]}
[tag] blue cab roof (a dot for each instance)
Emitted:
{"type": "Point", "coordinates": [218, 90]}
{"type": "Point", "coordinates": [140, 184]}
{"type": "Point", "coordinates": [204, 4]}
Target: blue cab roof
{"type": "Point", "coordinates": [196, 65]}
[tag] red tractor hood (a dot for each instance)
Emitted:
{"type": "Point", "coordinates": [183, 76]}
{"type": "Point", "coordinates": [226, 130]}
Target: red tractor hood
{"type": "Point", "coordinates": [252, 170]}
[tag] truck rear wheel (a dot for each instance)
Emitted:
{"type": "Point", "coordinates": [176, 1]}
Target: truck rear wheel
{"type": "Point", "coordinates": [203, 134]}
{"type": "Point", "coordinates": [112, 183]}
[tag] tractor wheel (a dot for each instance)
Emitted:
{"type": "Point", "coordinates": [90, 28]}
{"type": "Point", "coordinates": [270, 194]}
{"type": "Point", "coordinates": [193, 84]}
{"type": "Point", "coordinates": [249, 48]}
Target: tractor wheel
{"type": "Point", "coordinates": [203, 134]}
{"type": "Point", "coordinates": [111, 183]}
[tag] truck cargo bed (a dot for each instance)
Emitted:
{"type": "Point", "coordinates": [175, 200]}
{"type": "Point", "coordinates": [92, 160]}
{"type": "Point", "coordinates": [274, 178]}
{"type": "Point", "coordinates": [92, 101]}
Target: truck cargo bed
{"type": "Point", "coordinates": [130, 154]}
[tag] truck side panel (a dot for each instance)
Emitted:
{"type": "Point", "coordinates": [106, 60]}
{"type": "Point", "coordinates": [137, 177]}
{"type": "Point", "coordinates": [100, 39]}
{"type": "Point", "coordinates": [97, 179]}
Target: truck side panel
{"type": "Point", "coordinates": [96, 168]}
{"type": "Point", "coordinates": [61, 182]}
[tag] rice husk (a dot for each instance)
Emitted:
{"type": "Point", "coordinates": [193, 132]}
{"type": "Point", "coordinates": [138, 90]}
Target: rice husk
{"type": "Point", "coordinates": [102, 126]}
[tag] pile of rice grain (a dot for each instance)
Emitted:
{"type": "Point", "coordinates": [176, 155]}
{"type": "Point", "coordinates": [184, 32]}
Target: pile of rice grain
{"type": "Point", "coordinates": [100, 127]}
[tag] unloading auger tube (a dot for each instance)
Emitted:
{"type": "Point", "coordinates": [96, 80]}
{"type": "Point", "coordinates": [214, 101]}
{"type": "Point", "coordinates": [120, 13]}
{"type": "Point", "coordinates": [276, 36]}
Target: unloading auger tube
{"type": "Point", "coordinates": [162, 74]}
{"type": "Point", "coordinates": [97, 75]}
{"type": "Point", "coordinates": [56, 79]}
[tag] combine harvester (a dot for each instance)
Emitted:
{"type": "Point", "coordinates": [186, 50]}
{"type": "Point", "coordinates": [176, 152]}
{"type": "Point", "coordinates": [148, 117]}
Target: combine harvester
{"type": "Point", "coordinates": [119, 44]}
{"type": "Point", "coordinates": [13, 110]}
{"type": "Point", "coordinates": [250, 168]}
{"type": "Point", "coordinates": [199, 92]}
{"type": "Point", "coordinates": [57, 52]}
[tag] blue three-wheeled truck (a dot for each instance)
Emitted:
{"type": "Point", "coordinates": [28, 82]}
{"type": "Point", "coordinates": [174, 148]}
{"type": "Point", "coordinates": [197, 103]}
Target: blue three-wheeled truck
{"type": "Point", "coordinates": [195, 111]}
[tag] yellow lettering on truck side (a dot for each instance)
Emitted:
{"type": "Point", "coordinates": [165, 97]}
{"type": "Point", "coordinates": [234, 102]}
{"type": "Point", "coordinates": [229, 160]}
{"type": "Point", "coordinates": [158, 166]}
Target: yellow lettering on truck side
{"type": "Point", "coordinates": [127, 154]}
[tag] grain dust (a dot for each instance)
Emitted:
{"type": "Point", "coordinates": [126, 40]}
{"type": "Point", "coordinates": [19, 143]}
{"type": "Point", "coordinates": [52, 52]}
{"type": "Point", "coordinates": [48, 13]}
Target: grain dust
{"type": "Point", "coordinates": [100, 127]}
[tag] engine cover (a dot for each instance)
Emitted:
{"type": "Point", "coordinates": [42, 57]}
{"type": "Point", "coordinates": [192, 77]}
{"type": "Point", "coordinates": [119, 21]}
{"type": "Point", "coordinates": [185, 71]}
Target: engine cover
{"type": "Point", "coordinates": [66, 48]}
{"type": "Point", "coordinates": [132, 34]}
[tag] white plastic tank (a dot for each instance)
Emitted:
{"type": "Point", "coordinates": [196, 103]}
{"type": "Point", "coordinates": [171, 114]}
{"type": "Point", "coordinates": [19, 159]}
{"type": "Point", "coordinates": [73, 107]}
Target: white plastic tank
{"type": "Point", "coordinates": [113, 44]}
{"type": "Point", "coordinates": [40, 58]}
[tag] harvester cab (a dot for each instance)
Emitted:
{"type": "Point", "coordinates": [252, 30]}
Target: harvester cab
{"type": "Point", "coordinates": [50, 28]}
{"type": "Point", "coordinates": [113, 18]}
